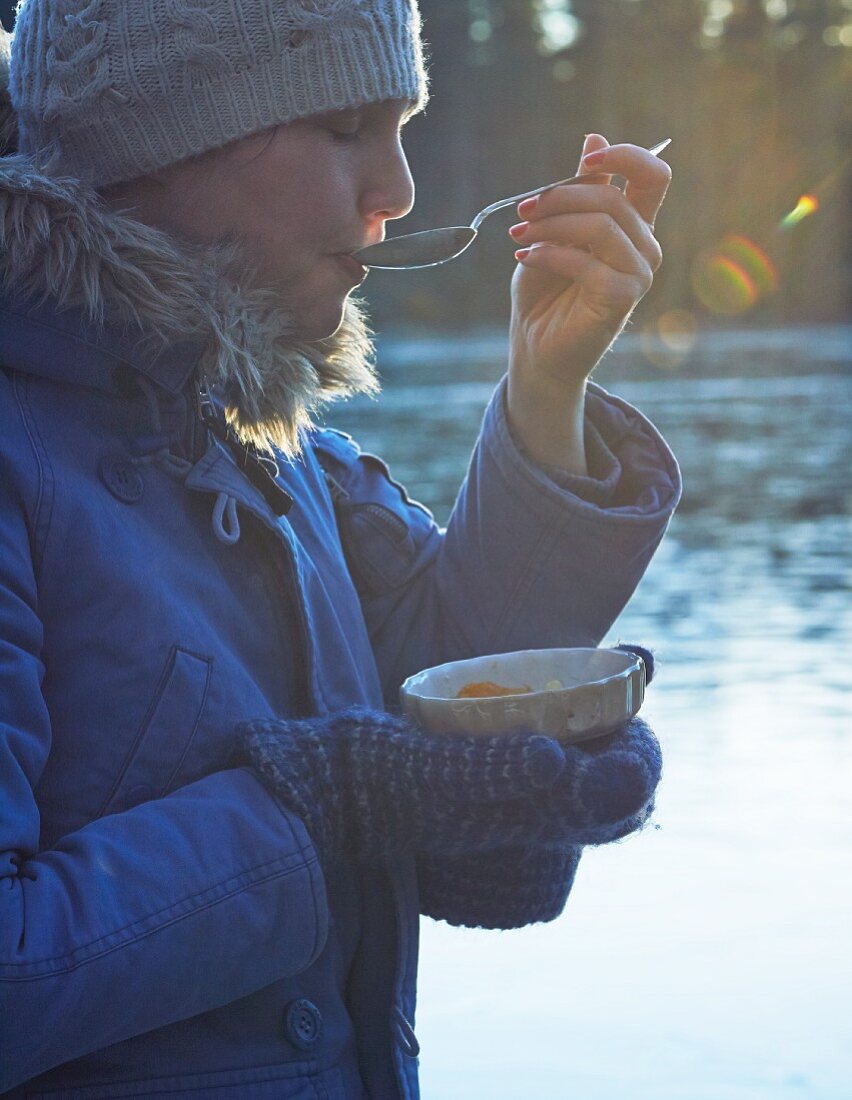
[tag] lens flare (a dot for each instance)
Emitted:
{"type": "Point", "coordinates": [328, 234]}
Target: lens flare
{"type": "Point", "coordinates": [752, 259]}
{"type": "Point", "coordinates": [668, 342]}
{"type": "Point", "coordinates": [807, 204]}
{"type": "Point", "coordinates": [731, 278]}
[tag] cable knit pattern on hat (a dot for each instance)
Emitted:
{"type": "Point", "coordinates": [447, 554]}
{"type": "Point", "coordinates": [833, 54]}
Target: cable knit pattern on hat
{"type": "Point", "coordinates": [77, 65]}
{"type": "Point", "coordinates": [195, 38]}
{"type": "Point", "coordinates": [116, 90]}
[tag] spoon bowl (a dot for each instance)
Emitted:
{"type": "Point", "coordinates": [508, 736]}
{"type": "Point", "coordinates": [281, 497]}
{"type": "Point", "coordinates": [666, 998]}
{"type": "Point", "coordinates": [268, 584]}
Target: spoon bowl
{"type": "Point", "coordinates": [431, 247]}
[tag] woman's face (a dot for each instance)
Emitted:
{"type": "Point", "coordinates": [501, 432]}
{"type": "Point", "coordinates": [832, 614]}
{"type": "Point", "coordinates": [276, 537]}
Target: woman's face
{"type": "Point", "coordinates": [298, 197]}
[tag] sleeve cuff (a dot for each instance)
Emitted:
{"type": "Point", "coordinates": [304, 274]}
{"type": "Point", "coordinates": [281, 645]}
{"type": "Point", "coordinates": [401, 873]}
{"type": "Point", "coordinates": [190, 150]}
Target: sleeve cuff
{"type": "Point", "coordinates": [631, 467]}
{"type": "Point", "coordinates": [599, 485]}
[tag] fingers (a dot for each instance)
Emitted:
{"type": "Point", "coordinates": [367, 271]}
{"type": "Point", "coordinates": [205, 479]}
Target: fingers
{"type": "Point", "coordinates": [488, 769]}
{"type": "Point", "coordinates": [613, 786]}
{"type": "Point", "coordinates": [607, 788]}
{"type": "Point", "coordinates": [597, 234]}
{"type": "Point", "coordinates": [647, 176]}
{"type": "Point", "coordinates": [594, 216]}
{"type": "Point", "coordinates": [611, 294]}
{"type": "Point", "coordinates": [646, 655]}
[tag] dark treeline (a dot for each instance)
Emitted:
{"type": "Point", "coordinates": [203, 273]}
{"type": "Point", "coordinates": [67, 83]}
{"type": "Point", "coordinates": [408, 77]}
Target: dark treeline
{"type": "Point", "coordinates": [758, 115]}
{"type": "Point", "coordinates": [754, 94]}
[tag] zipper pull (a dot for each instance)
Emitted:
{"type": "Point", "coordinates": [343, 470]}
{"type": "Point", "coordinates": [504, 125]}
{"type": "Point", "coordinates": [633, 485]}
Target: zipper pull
{"type": "Point", "coordinates": [257, 468]}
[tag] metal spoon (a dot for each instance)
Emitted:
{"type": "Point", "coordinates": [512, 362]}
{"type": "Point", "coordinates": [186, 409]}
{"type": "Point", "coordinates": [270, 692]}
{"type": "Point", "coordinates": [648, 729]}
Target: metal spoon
{"type": "Point", "coordinates": [435, 246]}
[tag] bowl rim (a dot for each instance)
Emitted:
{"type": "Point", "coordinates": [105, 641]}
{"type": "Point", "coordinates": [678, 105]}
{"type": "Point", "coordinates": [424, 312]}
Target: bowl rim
{"type": "Point", "coordinates": [636, 664]}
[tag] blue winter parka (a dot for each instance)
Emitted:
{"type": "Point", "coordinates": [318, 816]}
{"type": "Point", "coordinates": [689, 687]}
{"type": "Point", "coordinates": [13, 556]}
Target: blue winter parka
{"type": "Point", "coordinates": [165, 927]}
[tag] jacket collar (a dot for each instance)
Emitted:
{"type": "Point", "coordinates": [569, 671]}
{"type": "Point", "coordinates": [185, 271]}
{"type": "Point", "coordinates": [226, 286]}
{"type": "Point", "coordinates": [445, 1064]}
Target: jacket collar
{"type": "Point", "coordinates": [86, 293]}
{"type": "Point", "coordinates": [68, 346]}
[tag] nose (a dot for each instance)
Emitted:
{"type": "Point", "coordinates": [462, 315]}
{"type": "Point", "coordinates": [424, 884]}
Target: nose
{"type": "Point", "coordinates": [389, 192]}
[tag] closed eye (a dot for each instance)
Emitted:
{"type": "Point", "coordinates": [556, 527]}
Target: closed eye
{"type": "Point", "coordinates": [343, 127]}
{"type": "Point", "coordinates": [346, 127]}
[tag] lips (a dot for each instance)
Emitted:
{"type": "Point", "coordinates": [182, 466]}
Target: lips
{"type": "Point", "coordinates": [351, 266]}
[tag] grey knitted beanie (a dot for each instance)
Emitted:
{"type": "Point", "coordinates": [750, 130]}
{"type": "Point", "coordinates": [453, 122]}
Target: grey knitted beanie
{"type": "Point", "coordinates": [115, 89]}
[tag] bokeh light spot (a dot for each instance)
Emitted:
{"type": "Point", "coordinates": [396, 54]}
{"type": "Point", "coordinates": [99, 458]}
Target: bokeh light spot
{"type": "Point", "coordinates": [667, 342]}
{"type": "Point", "coordinates": [480, 30]}
{"type": "Point", "coordinates": [677, 328]}
{"type": "Point", "coordinates": [838, 35]}
{"type": "Point", "coordinates": [559, 27]}
{"type": "Point", "coordinates": [776, 9]}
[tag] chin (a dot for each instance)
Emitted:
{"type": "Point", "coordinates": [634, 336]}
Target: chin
{"type": "Point", "coordinates": [319, 325]}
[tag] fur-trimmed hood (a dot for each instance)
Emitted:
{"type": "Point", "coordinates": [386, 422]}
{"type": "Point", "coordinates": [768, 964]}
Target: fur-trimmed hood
{"type": "Point", "coordinates": [59, 241]}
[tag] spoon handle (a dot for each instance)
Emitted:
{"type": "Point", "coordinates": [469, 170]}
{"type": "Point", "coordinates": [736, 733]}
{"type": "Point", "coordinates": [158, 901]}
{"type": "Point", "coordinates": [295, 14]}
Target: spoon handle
{"type": "Point", "coordinates": [483, 214]}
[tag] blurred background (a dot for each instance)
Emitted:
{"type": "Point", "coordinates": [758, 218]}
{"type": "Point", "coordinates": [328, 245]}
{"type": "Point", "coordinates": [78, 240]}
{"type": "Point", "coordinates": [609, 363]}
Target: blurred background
{"type": "Point", "coordinates": [707, 958]}
{"type": "Point", "coordinates": [754, 94]}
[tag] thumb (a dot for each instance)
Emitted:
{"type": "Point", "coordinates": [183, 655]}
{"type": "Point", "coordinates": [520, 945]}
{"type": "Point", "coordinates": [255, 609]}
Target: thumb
{"type": "Point", "coordinates": [592, 143]}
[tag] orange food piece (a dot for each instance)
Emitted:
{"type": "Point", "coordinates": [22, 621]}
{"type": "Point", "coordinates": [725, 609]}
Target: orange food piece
{"type": "Point", "coordinates": [486, 688]}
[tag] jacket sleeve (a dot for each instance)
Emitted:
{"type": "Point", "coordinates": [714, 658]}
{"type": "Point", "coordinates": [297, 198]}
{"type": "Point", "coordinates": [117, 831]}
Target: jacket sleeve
{"type": "Point", "coordinates": [530, 558]}
{"type": "Point", "coordinates": [143, 902]}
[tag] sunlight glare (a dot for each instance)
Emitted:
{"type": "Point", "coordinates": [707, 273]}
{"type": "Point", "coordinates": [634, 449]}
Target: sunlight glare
{"type": "Point", "coordinates": [807, 204]}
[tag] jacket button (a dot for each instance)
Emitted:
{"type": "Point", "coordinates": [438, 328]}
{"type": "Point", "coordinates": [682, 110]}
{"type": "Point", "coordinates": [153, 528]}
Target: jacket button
{"type": "Point", "coordinates": [304, 1023]}
{"type": "Point", "coordinates": [121, 478]}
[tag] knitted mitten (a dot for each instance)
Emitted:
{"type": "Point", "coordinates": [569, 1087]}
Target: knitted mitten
{"type": "Point", "coordinates": [646, 655]}
{"type": "Point", "coordinates": [506, 888]}
{"type": "Point", "coordinates": [509, 887]}
{"type": "Point", "coordinates": [369, 784]}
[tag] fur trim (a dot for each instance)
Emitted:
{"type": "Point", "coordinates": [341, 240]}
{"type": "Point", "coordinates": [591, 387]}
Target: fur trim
{"type": "Point", "coordinates": [8, 122]}
{"type": "Point", "coordinates": [59, 240]}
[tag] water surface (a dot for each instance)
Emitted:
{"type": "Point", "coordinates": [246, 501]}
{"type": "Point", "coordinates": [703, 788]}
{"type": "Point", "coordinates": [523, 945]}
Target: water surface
{"type": "Point", "coordinates": [708, 958]}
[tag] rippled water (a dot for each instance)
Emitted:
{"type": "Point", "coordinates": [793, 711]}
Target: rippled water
{"type": "Point", "coordinates": [710, 958]}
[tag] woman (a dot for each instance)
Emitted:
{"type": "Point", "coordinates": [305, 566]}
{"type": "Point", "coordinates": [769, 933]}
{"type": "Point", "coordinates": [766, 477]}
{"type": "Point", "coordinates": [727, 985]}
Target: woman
{"type": "Point", "coordinates": [217, 836]}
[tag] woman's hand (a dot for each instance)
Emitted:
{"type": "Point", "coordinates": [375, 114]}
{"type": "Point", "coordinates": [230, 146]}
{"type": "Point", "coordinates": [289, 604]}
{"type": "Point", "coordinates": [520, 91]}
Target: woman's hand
{"type": "Point", "coordinates": [589, 257]}
{"type": "Point", "coordinates": [592, 257]}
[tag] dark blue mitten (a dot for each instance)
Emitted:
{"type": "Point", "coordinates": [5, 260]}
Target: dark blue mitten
{"type": "Point", "coordinates": [370, 784]}
{"type": "Point", "coordinates": [506, 888]}
{"type": "Point", "coordinates": [509, 887]}
{"type": "Point", "coordinates": [640, 651]}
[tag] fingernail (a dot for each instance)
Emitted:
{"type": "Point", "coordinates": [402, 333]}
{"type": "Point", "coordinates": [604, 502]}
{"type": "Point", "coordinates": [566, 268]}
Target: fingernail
{"type": "Point", "coordinates": [528, 205]}
{"type": "Point", "coordinates": [522, 253]}
{"type": "Point", "coordinates": [595, 158]}
{"type": "Point", "coordinates": [518, 230]}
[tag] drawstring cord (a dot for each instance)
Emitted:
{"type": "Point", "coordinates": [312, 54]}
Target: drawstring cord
{"type": "Point", "coordinates": [156, 448]}
{"type": "Point", "coordinates": [226, 506]}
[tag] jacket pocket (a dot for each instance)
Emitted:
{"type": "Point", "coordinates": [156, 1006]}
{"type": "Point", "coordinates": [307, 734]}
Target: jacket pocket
{"type": "Point", "coordinates": [160, 746]}
{"type": "Point", "coordinates": [378, 545]}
